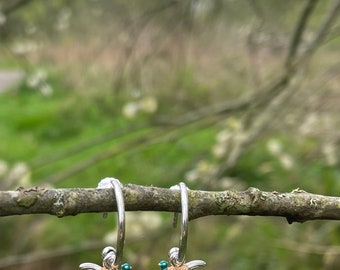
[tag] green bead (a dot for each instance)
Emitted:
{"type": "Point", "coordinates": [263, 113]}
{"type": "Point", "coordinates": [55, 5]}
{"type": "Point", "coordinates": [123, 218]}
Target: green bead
{"type": "Point", "coordinates": [126, 266]}
{"type": "Point", "coordinates": [163, 265]}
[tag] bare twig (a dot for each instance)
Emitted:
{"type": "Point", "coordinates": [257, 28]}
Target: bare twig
{"type": "Point", "coordinates": [153, 137]}
{"type": "Point", "coordinates": [261, 113]}
{"type": "Point", "coordinates": [300, 28]}
{"type": "Point", "coordinates": [265, 96]}
{"type": "Point", "coordinates": [93, 142]}
{"type": "Point", "coordinates": [36, 256]}
{"type": "Point", "coordinates": [48, 254]}
{"type": "Point", "coordinates": [142, 22]}
{"type": "Point", "coordinates": [14, 5]}
{"type": "Point", "coordinates": [132, 145]}
{"type": "Point", "coordinates": [321, 35]}
{"type": "Point", "coordinates": [309, 248]}
{"type": "Point", "coordinates": [259, 124]}
{"type": "Point", "coordinates": [219, 109]}
{"type": "Point", "coordinates": [297, 206]}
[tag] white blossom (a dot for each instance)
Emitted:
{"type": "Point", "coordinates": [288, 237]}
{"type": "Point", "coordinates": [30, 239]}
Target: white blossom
{"type": "Point", "coordinates": [3, 168]}
{"type": "Point", "coordinates": [223, 136]}
{"type": "Point", "coordinates": [24, 47]}
{"type": "Point", "coordinates": [286, 161]}
{"type": "Point", "coordinates": [205, 167]}
{"type": "Point", "coordinates": [219, 150]}
{"type": "Point", "coordinates": [192, 176]}
{"type": "Point", "coordinates": [228, 182]}
{"type": "Point", "coordinates": [3, 18]}
{"type": "Point", "coordinates": [63, 21]}
{"type": "Point", "coordinates": [110, 237]}
{"type": "Point", "coordinates": [234, 124]}
{"type": "Point", "coordinates": [309, 125]}
{"type": "Point", "coordinates": [203, 170]}
{"type": "Point", "coordinates": [137, 224]}
{"type": "Point", "coordinates": [329, 151]}
{"type": "Point", "coordinates": [130, 110]}
{"type": "Point", "coordinates": [37, 78]}
{"type": "Point", "coordinates": [20, 174]}
{"type": "Point", "coordinates": [148, 104]}
{"type": "Point", "coordinates": [274, 147]}
{"type": "Point", "coordinates": [46, 89]}
{"type": "Point", "coordinates": [266, 167]}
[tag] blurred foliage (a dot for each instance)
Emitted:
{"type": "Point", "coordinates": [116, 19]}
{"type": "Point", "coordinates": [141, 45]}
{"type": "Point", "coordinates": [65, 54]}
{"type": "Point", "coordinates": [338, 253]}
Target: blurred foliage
{"type": "Point", "coordinates": [108, 87]}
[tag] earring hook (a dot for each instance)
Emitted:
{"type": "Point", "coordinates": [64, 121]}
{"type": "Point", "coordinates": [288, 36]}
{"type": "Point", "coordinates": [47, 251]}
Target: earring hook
{"type": "Point", "coordinates": [184, 224]}
{"type": "Point", "coordinates": [177, 254]}
{"type": "Point", "coordinates": [121, 220]}
{"type": "Point", "coordinates": [111, 256]}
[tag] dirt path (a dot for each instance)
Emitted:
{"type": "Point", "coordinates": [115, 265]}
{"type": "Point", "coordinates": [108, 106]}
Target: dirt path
{"type": "Point", "coordinates": [10, 78]}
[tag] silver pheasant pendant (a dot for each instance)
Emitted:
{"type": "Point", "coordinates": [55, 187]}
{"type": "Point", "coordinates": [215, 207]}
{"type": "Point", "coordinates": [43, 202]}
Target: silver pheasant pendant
{"type": "Point", "coordinates": [176, 265]}
{"type": "Point", "coordinates": [109, 257]}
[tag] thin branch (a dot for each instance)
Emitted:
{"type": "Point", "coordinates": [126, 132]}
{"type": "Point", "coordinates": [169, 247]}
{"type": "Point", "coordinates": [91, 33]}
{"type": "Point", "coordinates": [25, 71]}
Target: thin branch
{"type": "Point", "coordinates": [142, 22]}
{"type": "Point", "coordinates": [93, 142]}
{"type": "Point", "coordinates": [48, 254]}
{"type": "Point", "coordinates": [327, 24]}
{"type": "Point", "coordinates": [264, 96]}
{"type": "Point", "coordinates": [155, 136]}
{"type": "Point", "coordinates": [132, 145]}
{"type": "Point", "coordinates": [309, 248]}
{"type": "Point", "coordinates": [260, 123]}
{"type": "Point", "coordinates": [296, 206]}
{"type": "Point", "coordinates": [208, 111]}
{"type": "Point", "coordinates": [300, 28]}
{"type": "Point", "coordinates": [36, 256]}
{"type": "Point", "coordinates": [13, 6]}
{"type": "Point", "coordinates": [275, 95]}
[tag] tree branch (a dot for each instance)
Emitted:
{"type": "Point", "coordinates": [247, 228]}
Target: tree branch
{"type": "Point", "coordinates": [300, 28]}
{"type": "Point", "coordinates": [13, 6]}
{"type": "Point", "coordinates": [296, 206]}
{"type": "Point", "coordinates": [325, 27]}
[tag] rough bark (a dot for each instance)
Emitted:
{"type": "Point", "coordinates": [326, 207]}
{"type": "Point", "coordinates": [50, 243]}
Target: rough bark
{"type": "Point", "coordinates": [296, 206]}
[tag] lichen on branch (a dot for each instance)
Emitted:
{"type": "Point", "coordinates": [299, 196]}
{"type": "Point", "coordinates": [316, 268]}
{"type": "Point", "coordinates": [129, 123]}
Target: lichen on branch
{"type": "Point", "coordinates": [295, 206]}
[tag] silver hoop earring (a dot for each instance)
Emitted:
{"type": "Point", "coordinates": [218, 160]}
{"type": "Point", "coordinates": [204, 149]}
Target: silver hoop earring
{"type": "Point", "coordinates": [177, 254]}
{"type": "Point", "coordinates": [112, 257]}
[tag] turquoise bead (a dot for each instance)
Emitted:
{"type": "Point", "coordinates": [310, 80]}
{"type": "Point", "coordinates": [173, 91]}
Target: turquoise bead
{"type": "Point", "coordinates": [126, 266]}
{"type": "Point", "coordinates": [163, 265]}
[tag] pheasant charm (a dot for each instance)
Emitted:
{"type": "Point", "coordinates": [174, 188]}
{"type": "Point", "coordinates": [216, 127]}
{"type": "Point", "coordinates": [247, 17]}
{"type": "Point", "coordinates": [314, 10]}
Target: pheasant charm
{"type": "Point", "coordinates": [176, 265]}
{"type": "Point", "coordinates": [109, 257]}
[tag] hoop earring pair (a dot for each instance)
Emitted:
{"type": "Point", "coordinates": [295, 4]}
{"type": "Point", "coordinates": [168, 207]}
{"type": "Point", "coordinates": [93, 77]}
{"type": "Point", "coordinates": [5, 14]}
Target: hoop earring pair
{"type": "Point", "coordinates": [112, 257]}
